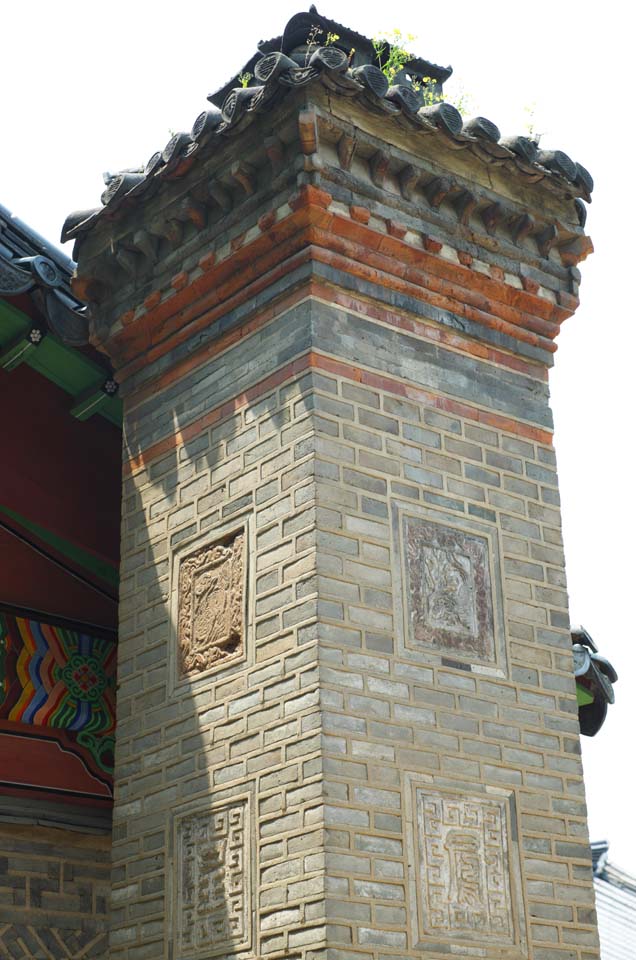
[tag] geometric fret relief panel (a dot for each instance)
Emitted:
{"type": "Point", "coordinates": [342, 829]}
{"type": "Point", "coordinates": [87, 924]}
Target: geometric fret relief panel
{"type": "Point", "coordinates": [466, 882]}
{"type": "Point", "coordinates": [210, 604]}
{"type": "Point", "coordinates": [451, 589]}
{"type": "Point", "coordinates": [213, 906]}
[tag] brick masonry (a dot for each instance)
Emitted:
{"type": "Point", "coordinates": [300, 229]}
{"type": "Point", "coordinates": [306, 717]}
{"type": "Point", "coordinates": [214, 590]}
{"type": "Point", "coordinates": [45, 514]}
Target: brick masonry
{"type": "Point", "coordinates": [54, 893]}
{"type": "Point", "coordinates": [243, 740]}
{"type": "Point", "coordinates": [333, 721]}
{"type": "Point", "coordinates": [394, 714]}
{"type": "Point", "coordinates": [388, 765]}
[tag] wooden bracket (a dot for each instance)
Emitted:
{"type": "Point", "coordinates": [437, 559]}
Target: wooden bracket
{"type": "Point", "coordinates": [170, 230]}
{"type": "Point", "coordinates": [346, 149]}
{"type": "Point", "coordinates": [464, 205]}
{"type": "Point", "coordinates": [127, 260]}
{"type": "Point", "coordinates": [576, 250]}
{"type": "Point", "coordinates": [408, 179]}
{"type": "Point", "coordinates": [275, 150]}
{"type": "Point", "coordinates": [147, 244]}
{"type": "Point", "coordinates": [491, 216]}
{"type": "Point", "coordinates": [520, 227]}
{"type": "Point", "coordinates": [220, 194]}
{"type": "Point", "coordinates": [16, 352]}
{"type": "Point", "coordinates": [189, 210]}
{"type": "Point", "coordinates": [437, 190]}
{"type": "Point", "coordinates": [308, 132]}
{"type": "Point", "coordinates": [379, 167]}
{"type": "Point", "coordinates": [245, 175]}
{"type": "Point", "coordinates": [546, 240]}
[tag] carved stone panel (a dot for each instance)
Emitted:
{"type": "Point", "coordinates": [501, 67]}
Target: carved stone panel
{"type": "Point", "coordinates": [448, 589]}
{"type": "Point", "coordinates": [213, 902]}
{"type": "Point", "coordinates": [466, 881]}
{"type": "Point", "coordinates": [210, 627]}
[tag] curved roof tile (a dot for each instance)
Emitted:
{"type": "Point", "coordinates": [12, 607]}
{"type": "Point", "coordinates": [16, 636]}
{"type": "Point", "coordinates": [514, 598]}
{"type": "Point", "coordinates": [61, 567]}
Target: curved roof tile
{"type": "Point", "coordinates": [349, 66]}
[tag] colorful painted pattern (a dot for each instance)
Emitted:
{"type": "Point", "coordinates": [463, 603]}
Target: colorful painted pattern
{"type": "Point", "coordinates": [52, 676]}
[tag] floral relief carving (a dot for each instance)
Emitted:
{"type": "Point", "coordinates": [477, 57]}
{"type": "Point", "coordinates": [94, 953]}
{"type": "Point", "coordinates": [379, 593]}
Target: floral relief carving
{"type": "Point", "coordinates": [210, 606]}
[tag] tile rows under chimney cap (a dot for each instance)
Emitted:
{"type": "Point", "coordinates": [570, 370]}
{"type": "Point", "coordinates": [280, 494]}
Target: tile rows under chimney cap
{"type": "Point", "coordinates": [347, 65]}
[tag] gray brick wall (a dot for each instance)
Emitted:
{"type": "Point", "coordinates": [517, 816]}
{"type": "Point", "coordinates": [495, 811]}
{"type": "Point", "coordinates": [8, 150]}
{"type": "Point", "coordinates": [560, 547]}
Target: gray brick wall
{"type": "Point", "coordinates": [333, 745]}
{"type": "Point", "coordinates": [54, 893]}
{"type": "Point", "coordinates": [252, 726]}
{"type": "Point", "coordinates": [331, 721]}
{"type": "Point", "coordinates": [385, 714]}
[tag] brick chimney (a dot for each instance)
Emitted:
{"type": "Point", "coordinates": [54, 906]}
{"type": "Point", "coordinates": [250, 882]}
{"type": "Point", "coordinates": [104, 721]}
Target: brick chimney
{"type": "Point", "coordinates": [347, 712]}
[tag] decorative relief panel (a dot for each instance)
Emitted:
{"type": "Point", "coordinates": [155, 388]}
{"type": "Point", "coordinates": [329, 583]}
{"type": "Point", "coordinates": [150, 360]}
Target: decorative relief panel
{"type": "Point", "coordinates": [213, 902]}
{"type": "Point", "coordinates": [449, 591]}
{"type": "Point", "coordinates": [210, 621]}
{"type": "Point", "coordinates": [463, 870]}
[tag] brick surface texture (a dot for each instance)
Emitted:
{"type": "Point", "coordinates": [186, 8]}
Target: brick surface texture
{"type": "Point", "coordinates": [322, 723]}
{"type": "Point", "coordinates": [54, 894]}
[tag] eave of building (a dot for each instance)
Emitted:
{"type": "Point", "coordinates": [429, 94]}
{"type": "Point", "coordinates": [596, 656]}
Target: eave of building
{"type": "Point", "coordinates": [75, 373]}
{"type": "Point", "coordinates": [44, 325]}
{"type": "Point", "coordinates": [414, 131]}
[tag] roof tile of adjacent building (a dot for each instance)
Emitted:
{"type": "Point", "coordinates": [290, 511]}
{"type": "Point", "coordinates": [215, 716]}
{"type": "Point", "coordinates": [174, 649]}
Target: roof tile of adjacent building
{"type": "Point", "coordinates": [43, 323]}
{"type": "Point", "coordinates": [348, 68]}
{"type": "Point", "coordinates": [615, 892]}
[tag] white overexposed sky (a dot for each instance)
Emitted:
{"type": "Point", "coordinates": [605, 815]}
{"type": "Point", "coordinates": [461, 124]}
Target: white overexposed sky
{"type": "Point", "coordinates": [88, 87]}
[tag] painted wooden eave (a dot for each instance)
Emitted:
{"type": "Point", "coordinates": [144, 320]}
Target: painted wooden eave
{"type": "Point", "coordinates": [23, 341]}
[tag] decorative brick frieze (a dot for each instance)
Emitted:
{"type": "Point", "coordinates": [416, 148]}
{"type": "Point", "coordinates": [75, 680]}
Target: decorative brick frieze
{"type": "Point", "coordinates": [317, 361]}
{"type": "Point", "coordinates": [442, 281]}
{"type": "Point", "coordinates": [518, 390]}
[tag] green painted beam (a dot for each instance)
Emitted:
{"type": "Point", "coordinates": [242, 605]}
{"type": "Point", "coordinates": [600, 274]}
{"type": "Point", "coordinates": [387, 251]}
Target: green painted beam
{"type": "Point", "coordinates": [69, 369]}
{"type": "Point", "coordinates": [15, 353]}
{"type": "Point", "coordinates": [89, 404]}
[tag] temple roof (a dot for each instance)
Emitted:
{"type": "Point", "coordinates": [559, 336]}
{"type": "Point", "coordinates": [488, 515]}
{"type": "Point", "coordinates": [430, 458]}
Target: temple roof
{"type": "Point", "coordinates": [43, 323]}
{"type": "Point", "coordinates": [30, 264]}
{"type": "Point", "coordinates": [313, 48]}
